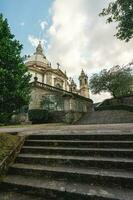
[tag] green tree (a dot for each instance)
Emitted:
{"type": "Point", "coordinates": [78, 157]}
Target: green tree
{"type": "Point", "coordinates": [14, 77]}
{"type": "Point", "coordinates": [118, 81]}
{"type": "Point", "coordinates": [121, 11]}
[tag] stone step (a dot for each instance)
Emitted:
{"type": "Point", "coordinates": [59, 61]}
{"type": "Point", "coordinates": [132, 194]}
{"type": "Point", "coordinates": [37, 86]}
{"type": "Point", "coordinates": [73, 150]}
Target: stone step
{"type": "Point", "coordinates": [82, 143]}
{"type": "Point", "coordinates": [65, 190]}
{"type": "Point", "coordinates": [108, 177]}
{"type": "Point", "coordinates": [9, 195]}
{"type": "Point", "coordinates": [83, 136]}
{"type": "Point", "coordinates": [59, 160]}
{"type": "Point", "coordinates": [78, 151]}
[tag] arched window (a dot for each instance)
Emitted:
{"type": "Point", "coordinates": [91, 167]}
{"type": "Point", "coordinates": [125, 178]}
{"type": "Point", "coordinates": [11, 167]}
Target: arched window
{"type": "Point", "coordinates": [85, 81]}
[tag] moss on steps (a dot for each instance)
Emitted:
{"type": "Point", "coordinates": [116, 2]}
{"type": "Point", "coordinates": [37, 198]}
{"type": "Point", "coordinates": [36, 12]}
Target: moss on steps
{"type": "Point", "coordinates": [7, 143]}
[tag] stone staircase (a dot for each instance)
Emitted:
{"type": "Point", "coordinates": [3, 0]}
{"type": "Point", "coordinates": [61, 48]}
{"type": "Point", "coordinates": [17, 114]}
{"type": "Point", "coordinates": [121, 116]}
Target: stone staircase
{"type": "Point", "coordinates": [67, 166]}
{"type": "Point", "coordinates": [107, 117]}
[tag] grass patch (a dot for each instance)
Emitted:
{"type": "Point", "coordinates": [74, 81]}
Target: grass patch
{"type": "Point", "coordinates": [7, 143]}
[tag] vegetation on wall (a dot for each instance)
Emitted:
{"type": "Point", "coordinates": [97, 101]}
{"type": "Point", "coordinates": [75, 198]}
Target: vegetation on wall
{"type": "Point", "coordinates": [53, 103]}
{"type": "Point", "coordinates": [7, 143]}
{"type": "Point", "coordinates": [121, 12]}
{"type": "Point", "coordinates": [14, 76]}
{"type": "Point", "coordinates": [118, 81]}
{"type": "Point", "coordinates": [38, 116]}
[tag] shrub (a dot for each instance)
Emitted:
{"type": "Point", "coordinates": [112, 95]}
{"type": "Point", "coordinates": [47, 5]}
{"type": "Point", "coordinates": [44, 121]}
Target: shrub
{"type": "Point", "coordinates": [114, 107]}
{"type": "Point", "coordinates": [38, 116]}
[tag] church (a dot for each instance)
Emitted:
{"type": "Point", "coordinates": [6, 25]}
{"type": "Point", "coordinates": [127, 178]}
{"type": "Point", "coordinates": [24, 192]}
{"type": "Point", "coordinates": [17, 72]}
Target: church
{"type": "Point", "coordinates": [53, 92]}
{"type": "Point", "coordinates": [41, 69]}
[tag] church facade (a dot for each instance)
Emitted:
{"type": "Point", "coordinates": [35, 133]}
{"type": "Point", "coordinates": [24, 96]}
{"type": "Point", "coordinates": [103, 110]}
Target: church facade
{"type": "Point", "coordinates": [52, 90]}
{"type": "Point", "coordinates": [40, 68]}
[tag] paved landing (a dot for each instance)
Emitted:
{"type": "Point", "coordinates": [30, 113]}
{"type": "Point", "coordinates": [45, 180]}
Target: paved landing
{"type": "Point", "coordinates": [54, 128]}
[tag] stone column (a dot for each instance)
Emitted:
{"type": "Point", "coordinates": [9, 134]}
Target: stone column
{"type": "Point", "coordinates": [66, 103]}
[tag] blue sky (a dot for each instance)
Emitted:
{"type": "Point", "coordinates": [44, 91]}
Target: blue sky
{"type": "Point", "coordinates": [71, 32]}
{"type": "Point", "coordinates": [24, 17]}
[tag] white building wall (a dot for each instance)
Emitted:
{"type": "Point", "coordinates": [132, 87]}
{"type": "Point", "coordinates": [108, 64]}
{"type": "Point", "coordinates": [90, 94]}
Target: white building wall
{"type": "Point", "coordinates": [40, 79]}
{"type": "Point", "coordinates": [38, 75]}
{"type": "Point", "coordinates": [32, 76]}
{"type": "Point", "coordinates": [53, 76]}
{"type": "Point", "coordinates": [44, 78]}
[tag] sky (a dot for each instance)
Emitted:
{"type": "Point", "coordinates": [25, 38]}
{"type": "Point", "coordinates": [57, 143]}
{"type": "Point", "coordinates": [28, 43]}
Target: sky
{"type": "Point", "coordinates": [71, 32]}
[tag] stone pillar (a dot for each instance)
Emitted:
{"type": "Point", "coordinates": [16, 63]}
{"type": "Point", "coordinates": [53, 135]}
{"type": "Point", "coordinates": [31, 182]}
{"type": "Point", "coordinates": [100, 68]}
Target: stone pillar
{"type": "Point", "coordinates": [66, 103]}
{"type": "Point", "coordinates": [72, 104]}
{"type": "Point", "coordinates": [49, 78]}
{"type": "Point", "coordinates": [36, 98]}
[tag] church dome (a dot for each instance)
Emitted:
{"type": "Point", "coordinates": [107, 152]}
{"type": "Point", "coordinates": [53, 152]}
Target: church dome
{"type": "Point", "coordinates": [38, 58]}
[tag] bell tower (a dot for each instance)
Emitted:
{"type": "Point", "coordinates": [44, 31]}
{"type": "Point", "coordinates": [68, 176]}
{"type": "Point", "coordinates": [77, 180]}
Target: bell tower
{"type": "Point", "coordinates": [84, 87]}
{"type": "Point", "coordinates": [73, 86]}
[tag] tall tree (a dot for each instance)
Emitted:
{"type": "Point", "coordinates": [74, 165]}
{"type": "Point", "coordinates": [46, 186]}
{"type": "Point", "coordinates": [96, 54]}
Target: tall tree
{"type": "Point", "coordinates": [121, 11]}
{"type": "Point", "coordinates": [118, 81]}
{"type": "Point", "coordinates": [14, 76]}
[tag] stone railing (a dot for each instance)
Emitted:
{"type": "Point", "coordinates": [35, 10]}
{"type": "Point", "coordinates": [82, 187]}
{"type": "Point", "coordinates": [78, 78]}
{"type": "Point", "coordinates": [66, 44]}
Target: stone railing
{"type": "Point", "coordinates": [55, 89]}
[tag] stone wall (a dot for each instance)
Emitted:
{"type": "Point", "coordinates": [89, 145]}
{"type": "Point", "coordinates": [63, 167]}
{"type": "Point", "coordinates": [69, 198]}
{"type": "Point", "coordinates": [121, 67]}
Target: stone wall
{"type": "Point", "coordinates": [127, 101]}
{"type": "Point", "coordinates": [74, 105]}
{"type": "Point", "coordinates": [107, 117]}
{"type": "Point", "coordinates": [68, 117]}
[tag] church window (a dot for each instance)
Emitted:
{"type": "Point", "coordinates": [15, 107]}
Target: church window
{"type": "Point", "coordinates": [85, 81]}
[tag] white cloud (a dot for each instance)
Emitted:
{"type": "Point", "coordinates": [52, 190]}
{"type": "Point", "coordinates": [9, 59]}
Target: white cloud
{"type": "Point", "coordinates": [79, 38]}
{"type": "Point", "coordinates": [35, 41]}
{"type": "Point", "coordinates": [67, 33]}
{"type": "Point", "coordinates": [43, 24]}
{"type": "Point", "coordinates": [101, 97]}
{"type": "Point", "coordinates": [22, 24]}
